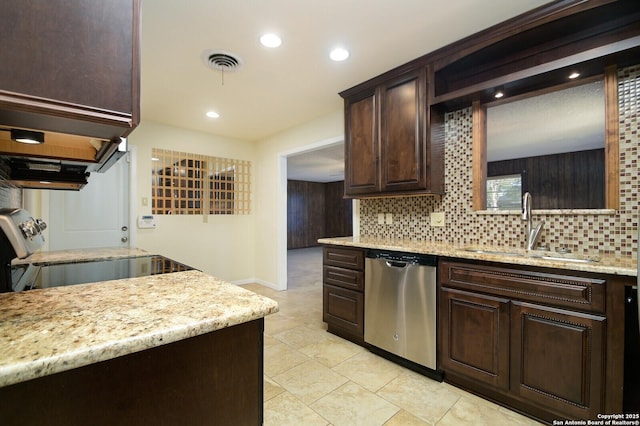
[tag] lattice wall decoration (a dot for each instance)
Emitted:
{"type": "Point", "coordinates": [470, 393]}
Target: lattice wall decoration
{"type": "Point", "coordinates": [184, 183]}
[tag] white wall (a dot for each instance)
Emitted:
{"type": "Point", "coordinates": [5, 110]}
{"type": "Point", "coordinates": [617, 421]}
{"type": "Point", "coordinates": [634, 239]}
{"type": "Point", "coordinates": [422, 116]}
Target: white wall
{"type": "Point", "coordinates": [270, 196]}
{"type": "Point", "coordinates": [220, 245]}
{"type": "Point", "coordinates": [239, 249]}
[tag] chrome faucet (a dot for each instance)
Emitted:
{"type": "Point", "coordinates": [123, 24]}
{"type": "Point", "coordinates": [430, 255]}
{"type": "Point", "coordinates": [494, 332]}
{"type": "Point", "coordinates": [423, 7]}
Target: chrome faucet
{"type": "Point", "coordinates": [532, 234]}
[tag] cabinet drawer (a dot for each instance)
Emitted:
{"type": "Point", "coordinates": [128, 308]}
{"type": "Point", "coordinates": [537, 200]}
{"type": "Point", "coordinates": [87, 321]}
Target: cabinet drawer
{"type": "Point", "coordinates": [344, 309]}
{"type": "Point", "coordinates": [341, 277]}
{"type": "Point", "coordinates": [344, 258]}
{"type": "Point", "coordinates": [555, 289]}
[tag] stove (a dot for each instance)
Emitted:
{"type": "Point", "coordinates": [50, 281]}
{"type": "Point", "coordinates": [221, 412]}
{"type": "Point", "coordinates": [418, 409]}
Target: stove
{"type": "Point", "coordinates": [31, 276]}
{"type": "Point", "coordinates": [21, 235]}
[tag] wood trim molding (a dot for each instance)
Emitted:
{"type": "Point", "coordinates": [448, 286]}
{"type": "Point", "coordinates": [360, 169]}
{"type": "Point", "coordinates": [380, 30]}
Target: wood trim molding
{"type": "Point", "coordinates": [479, 155]}
{"type": "Point", "coordinates": [612, 136]}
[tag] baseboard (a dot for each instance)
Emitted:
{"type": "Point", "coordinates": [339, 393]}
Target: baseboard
{"type": "Point", "coordinates": [255, 281]}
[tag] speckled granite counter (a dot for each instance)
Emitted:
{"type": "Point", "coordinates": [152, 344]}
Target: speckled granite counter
{"type": "Point", "coordinates": [82, 255]}
{"type": "Point", "coordinates": [52, 330]}
{"type": "Point", "coordinates": [605, 265]}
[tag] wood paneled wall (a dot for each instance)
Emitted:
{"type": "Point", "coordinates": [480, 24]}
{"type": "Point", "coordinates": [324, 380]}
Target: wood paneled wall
{"type": "Point", "coordinates": [338, 213]}
{"type": "Point", "coordinates": [316, 210]}
{"type": "Point", "coordinates": [573, 180]}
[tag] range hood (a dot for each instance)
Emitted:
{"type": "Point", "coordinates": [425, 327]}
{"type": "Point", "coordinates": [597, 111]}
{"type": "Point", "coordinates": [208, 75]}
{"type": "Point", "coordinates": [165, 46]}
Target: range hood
{"type": "Point", "coordinates": [63, 161]}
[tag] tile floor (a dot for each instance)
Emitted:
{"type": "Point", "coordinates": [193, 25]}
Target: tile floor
{"type": "Point", "coordinates": [315, 378]}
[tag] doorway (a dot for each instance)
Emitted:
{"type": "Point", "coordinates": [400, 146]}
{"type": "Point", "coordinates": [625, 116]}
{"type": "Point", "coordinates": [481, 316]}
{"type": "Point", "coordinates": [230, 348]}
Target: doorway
{"type": "Point", "coordinates": [318, 163]}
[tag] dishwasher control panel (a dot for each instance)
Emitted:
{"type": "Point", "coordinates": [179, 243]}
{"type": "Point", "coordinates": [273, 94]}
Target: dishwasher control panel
{"type": "Point", "coordinates": [397, 256]}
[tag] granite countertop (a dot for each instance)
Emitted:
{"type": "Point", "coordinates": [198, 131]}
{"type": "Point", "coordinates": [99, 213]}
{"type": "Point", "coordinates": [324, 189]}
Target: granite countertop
{"type": "Point", "coordinates": [51, 330]}
{"type": "Point", "coordinates": [606, 264]}
{"type": "Point", "coordinates": [81, 255]}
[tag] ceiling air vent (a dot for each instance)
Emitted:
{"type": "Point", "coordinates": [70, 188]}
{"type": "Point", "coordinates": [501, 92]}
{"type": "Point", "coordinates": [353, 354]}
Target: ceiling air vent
{"type": "Point", "coordinates": [221, 61]}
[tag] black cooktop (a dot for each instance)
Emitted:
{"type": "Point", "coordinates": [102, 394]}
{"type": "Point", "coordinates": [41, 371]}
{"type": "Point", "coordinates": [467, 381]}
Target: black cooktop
{"type": "Point", "coordinates": [30, 276]}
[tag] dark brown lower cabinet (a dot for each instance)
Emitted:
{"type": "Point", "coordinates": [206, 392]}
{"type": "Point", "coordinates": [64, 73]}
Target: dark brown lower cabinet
{"type": "Point", "coordinates": [214, 379]}
{"type": "Point", "coordinates": [534, 340]}
{"type": "Point", "coordinates": [343, 309]}
{"type": "Point", "coordinates": [557, 359]}
{"type": "Point", "coordinates": [343, 292]}
{"type": "Point", "coordinates": [477, 330]}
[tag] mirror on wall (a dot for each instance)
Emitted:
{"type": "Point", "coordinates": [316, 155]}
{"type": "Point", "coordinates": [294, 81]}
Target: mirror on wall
{"type": "Point", "coordinates": [554, 144]}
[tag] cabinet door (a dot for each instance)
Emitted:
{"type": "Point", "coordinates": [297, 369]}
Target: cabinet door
{"type": "Point", "coordinates": [474, 336]}
{"type": "Point", "coordinates": [361, 145]}
{"type": "Point", "coordinates": [557, 359]}
{"type": "Point", "coordinates": [72, 62]}
{"type": "Point", "coordinates": [403, 138]}
{"type": "Point", "coordinates": [344, 309]}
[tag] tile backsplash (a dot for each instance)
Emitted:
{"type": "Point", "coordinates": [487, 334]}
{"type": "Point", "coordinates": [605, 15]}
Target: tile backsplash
{"type": "Point", "coordinates": [582, 232]}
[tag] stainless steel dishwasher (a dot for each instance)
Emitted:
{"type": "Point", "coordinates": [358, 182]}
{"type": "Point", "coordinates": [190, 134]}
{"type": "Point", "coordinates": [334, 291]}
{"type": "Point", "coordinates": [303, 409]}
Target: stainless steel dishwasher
{"type": "Point", "coordinates": [400, 305]}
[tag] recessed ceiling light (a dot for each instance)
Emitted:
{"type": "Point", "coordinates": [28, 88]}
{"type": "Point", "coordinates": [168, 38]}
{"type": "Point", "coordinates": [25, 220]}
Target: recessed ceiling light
{"type": "Point", "coordinates": [574, 74]}
{"type": "Point", "coordinates": [498, 94]}
{"type": "Point", "coordinates": [339, 54]}
{"type": "Point", "coordinates": [212, 114]}
{"type": "Point", "coordinates": [270, 40]}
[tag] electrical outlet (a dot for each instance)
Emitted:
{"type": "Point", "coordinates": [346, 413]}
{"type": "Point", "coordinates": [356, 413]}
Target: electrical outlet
{"type": "Point", "coordinates": [437, 219]}
{"type": "Point", "coordinates": [389, 218]}
{"type": "Point", "coordinates": [380, 218]}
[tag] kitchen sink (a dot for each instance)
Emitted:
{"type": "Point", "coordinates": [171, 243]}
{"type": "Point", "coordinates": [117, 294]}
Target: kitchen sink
{"type": "Point", "coordinates": [566, 258]}
{"type": "Point", "coordinates": [544, 255]}
{"type": "Point", "coordinates": [489, 251]}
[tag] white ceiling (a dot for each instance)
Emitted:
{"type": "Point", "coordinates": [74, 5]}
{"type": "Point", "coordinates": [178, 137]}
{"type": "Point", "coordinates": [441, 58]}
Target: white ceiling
{"type": "Point", "coordinates": [276, 89]}
{"type": "Point", "coordinates": [320, 165]}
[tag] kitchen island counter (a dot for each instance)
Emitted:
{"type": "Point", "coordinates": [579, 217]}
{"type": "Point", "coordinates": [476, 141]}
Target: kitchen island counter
{"type": "Point", "coordinates": [52, 330]}
{"type": "Point", "coordinates": [173, 348]}
{"type": "Point", "coordinates": [626, 266]}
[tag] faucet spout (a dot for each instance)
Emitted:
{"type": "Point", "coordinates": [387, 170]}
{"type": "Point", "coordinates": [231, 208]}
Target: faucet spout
{"type": "Point", "coordinates": [533, 234]}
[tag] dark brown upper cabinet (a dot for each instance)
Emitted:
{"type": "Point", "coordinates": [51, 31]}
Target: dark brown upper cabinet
{"type": "Point", "coordinates": [71, 66]}
{"type": "Point", "coordinates": [387, 147]}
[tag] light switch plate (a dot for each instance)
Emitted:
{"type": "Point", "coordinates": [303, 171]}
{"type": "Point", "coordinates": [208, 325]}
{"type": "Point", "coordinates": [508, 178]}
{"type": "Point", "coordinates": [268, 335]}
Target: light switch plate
{"type": "Point", "coordinates": [437, 219]}
{"type": "Point", "coordinates": [380, 218]}
{"type": "Point", "coordinates": [389, 218]}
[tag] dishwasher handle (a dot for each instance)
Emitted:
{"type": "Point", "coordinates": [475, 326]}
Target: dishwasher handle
{"type": "Point", "coordinates": [396, 264]}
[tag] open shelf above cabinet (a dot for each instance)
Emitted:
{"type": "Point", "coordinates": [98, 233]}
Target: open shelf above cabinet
{"type": "Point", "coordinates": [541, 53]}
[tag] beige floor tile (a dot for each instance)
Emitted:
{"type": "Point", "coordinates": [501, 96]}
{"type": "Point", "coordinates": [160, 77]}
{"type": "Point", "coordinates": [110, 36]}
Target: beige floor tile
{"type": "Point", "coordinates": [270, 341]}
{"type": "Point", "coordinates": [314, 320]}
{"type": "Point", "coordinates": [405, 418]}
{"type": "Point", "coordinates": [279, 358]}
{"type": "Point", "coordinates": [271, 389]}
{"type": "Point", "coordinates": [302, 336]}
{"type": "Point", "coordinates": [351, 404]}
{"type": "Point", "coordinates": [369, 370]}
{"type": "Point", "coordinates": [331, 351]}
{"type": "Point", "coordinates": [477, 412]}
{"type": "Point", "coordinates": [419, 395]}
{"type": "Point", "coordinates": [518, 419]}
{"type": "Point", "coordinates": [309, 381]}
{"type": "Point", "coordinates": [287, 410]}
{"type": "Point", "coordinates": [278, 322]}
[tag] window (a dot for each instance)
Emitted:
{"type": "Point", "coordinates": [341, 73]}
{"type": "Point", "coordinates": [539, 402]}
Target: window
{"type": "Point", "coordinates": [184, 183]}
{"type": "Point", "coordinates": [504, 192]}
